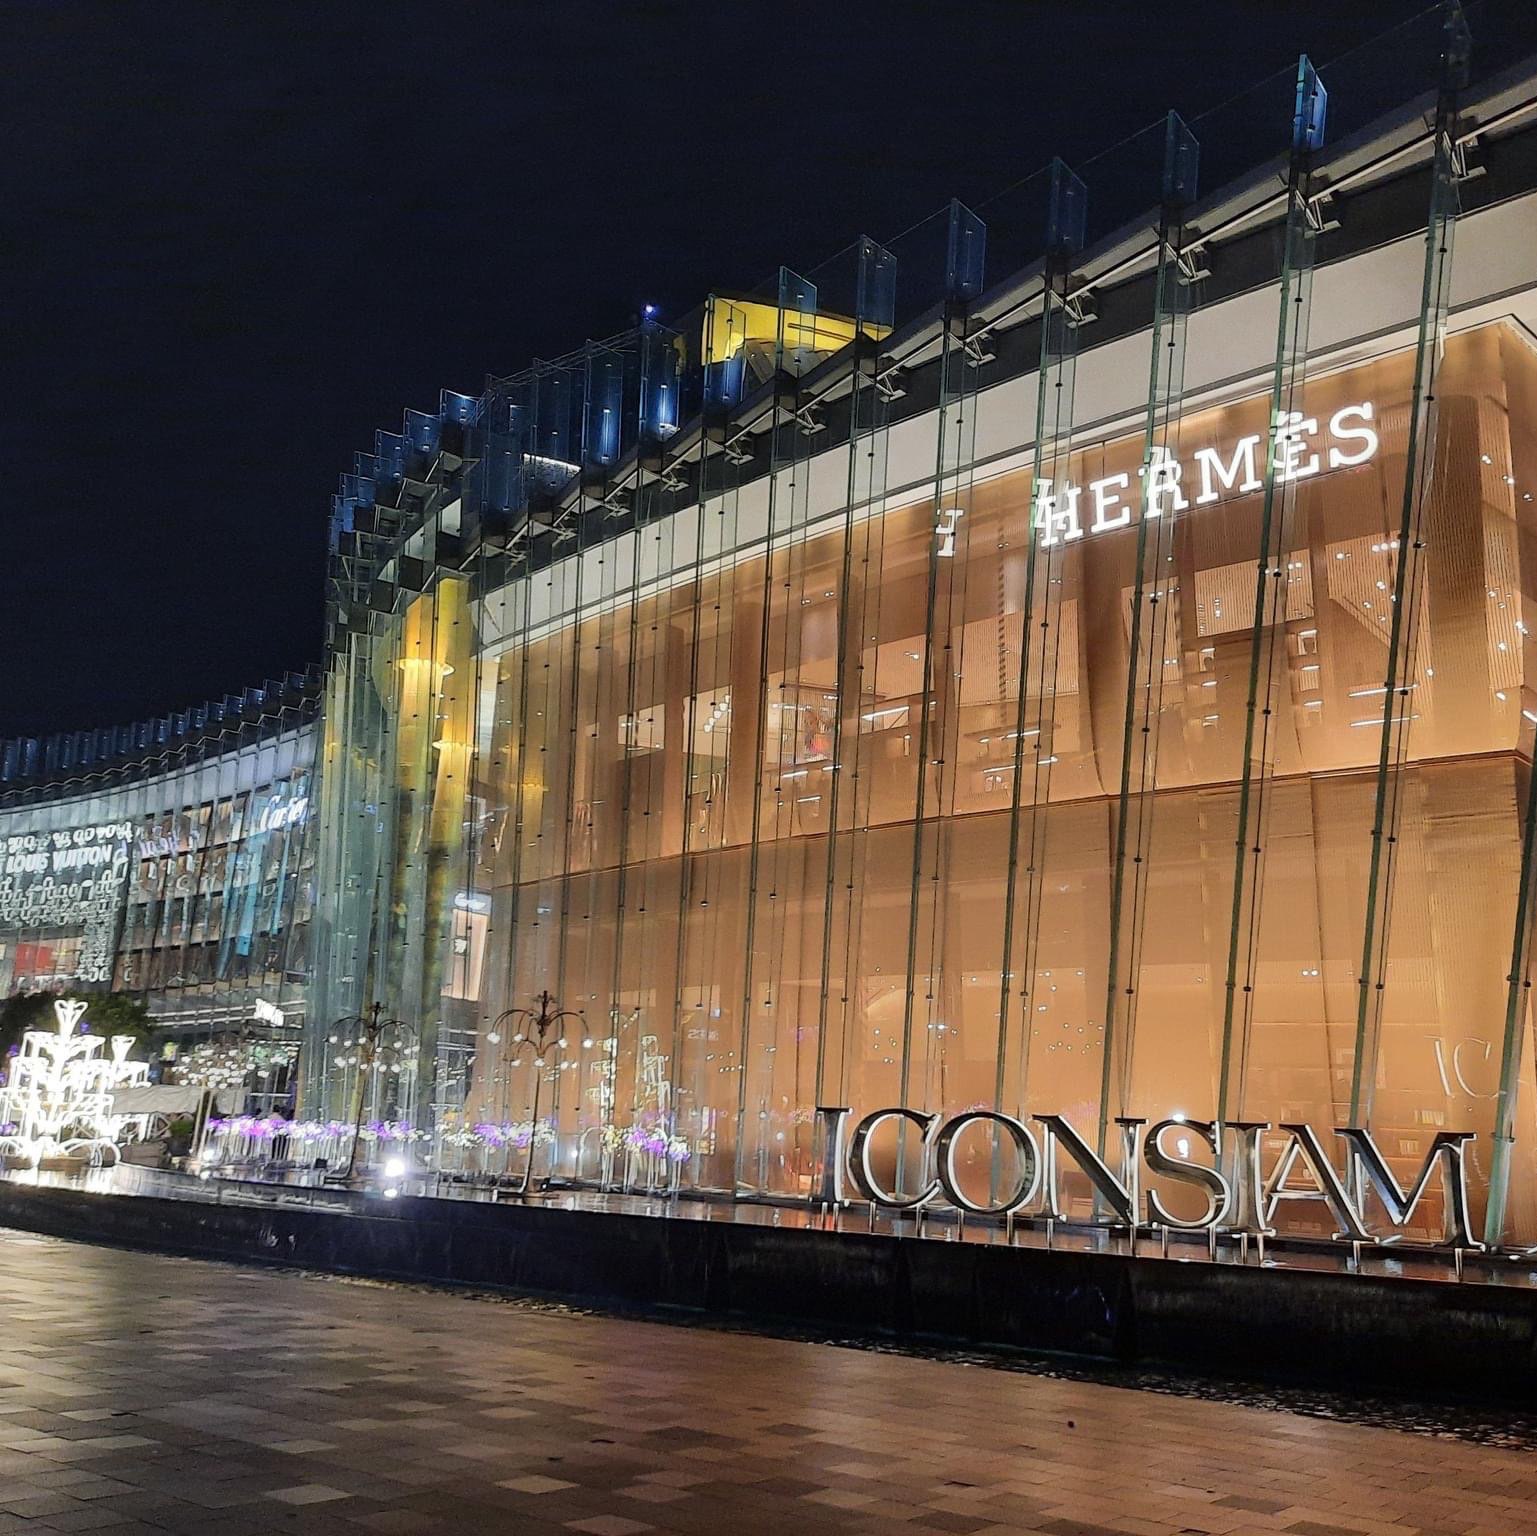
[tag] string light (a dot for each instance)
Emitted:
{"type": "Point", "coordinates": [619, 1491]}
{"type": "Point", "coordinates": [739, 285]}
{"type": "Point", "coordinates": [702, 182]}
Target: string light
{"type": "Point", "coordinates": [58, 1098]}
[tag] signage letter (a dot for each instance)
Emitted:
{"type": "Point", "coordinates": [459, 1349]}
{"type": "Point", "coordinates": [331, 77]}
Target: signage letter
{"type": "Point", "coordinates": [1226, 475]}
{"type": "Point", "coordinates": [1242, 1159]}
{"type": "Point", "coordinates": [833, 1123]}
{"type": "Point", "coordinates": [1292, 460]}
{"type": "Point", "coordinates": [949, 522]}
{"type": "Point", "coordinates": [1368, 1167]}
{"type": "Point", "coordinates": [1121, 1195]}
{"type": "Point", "coordinates": [864, 1175]}
{"type": "Point", "coordinates": [1106, 499]}
{"type": "Point", "coordinates": [1328, 1188]}
{"type": "Point", "coordinates": [1163, 474]}
{"type": "Point", "coordinates": [1340, 427]}
{"type": "Point", "coordinates": [1216, 1190]}
{"type": "Point", "coordinates": [1028, 1183]}
{"type": "Point", "coordinates": [1057, 515]}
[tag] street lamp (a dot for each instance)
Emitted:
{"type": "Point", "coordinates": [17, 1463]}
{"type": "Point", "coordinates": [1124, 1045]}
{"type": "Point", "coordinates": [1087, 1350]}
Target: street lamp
{"type": "Point", "coordinates": [534, 1026]}
{"type": "Point", "coordinates": [371, 1047]}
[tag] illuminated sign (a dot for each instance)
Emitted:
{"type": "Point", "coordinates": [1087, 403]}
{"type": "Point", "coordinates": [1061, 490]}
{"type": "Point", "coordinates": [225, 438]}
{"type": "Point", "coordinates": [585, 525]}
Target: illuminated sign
{"type": "Point", "coordinates": [74, 879]}
{"type": "Point", "coordinates": [1236, 1193]}
{"type": "Point", "coordinates": [1300, 451]}
{"type": "Point", "coordinates": [278, 814]}
{"type": "Point", "coordinates": [1302, 447]}
{"type": "Point", "coordinates": [949, 522]}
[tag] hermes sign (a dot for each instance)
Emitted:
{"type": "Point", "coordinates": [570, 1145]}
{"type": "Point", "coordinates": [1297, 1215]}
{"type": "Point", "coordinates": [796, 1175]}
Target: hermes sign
{"type": "Point", "coordinates": [1234, 1191]}
{"type": "Point", "coordinates": [1302, 446]}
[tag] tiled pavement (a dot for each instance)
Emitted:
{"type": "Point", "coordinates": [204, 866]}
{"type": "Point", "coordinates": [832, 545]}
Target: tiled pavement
{"type": "Point", "coordinates": [141, 1394]}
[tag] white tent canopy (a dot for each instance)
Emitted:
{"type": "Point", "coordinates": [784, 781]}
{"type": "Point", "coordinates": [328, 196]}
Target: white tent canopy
{"type": "Point", "coordinates": [166, 1099]}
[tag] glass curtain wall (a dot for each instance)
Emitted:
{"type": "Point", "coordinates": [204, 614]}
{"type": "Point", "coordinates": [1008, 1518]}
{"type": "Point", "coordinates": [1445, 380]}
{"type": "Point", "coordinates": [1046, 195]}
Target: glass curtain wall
{"type": "Point", "coordinates": [395, 811]}
{"type": "Point", "coordinates": [1041, 749]}
{"type": "Point", "coordinates": [192, 886]}
{"type": "Point", "coordinates": [646, 655]}
{"type": "Point", "coordinates": [813, 816]}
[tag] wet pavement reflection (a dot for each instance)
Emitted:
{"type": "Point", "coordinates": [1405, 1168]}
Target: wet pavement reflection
{"type": "Point", "coordinates": [143, 1393]}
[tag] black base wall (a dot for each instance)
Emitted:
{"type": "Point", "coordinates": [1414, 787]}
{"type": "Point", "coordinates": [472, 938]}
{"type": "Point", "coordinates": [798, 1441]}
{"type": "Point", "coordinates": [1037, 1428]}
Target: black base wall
{"type": "Point", "coordinates": [1427, 1338]}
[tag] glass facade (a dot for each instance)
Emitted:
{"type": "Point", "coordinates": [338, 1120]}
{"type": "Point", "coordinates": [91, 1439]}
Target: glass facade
{"type": "Point", "coordinates": [190, 883]}
{"type": "Point", "coordinates": [1044, 665]}
{"type": "Point", "coordinates": [659, 818]}
{"type": "Point", "coordinates": [1104, 693]}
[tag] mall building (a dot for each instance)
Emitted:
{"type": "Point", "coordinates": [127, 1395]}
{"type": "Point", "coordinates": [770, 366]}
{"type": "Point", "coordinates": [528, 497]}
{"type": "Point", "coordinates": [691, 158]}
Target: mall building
{"type": "Point", "coordinates": [1072, 660]}
{"type": "Point", "coordinates": [172, 859]}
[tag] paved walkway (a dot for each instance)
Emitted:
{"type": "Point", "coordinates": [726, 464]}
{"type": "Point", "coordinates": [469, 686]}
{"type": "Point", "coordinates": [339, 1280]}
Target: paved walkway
{"type": "Point", "coordinates": [142, 1394]}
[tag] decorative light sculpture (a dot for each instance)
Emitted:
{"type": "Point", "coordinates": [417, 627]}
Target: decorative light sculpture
{"type": "Point", "coordinates": [373, 1052]}
{"type": "Point", "coordinates": [546, 1055]}
{"type": "Point", "coordinates": [58, 1097]}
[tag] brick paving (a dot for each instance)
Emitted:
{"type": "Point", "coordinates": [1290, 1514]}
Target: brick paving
{"type": "Point", "coordinates": [144, 1394]}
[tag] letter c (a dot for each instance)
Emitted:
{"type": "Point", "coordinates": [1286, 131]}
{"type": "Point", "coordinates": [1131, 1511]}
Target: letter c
{"type": "Point", "coordinates": [864, 1176]}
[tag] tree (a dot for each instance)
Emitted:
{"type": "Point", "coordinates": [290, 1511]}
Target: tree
{"type": "Point", "coordinates": [24, 1011]}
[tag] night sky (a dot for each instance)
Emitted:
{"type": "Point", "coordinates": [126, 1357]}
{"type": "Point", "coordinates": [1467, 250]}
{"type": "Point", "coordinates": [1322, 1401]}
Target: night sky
{"type": "Point", "coordinates": [240, 238]}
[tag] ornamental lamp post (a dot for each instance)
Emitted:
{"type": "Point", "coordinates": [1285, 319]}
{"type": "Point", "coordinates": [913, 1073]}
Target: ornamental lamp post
{"type": "Point", "coordinates": [373, 1053]}
{"type": "Point", "coordinates": [533, 1034]}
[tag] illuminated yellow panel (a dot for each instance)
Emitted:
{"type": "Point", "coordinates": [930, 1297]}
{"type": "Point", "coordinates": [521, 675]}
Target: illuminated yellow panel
{"type": "Point", "coordinates": [731, 324]}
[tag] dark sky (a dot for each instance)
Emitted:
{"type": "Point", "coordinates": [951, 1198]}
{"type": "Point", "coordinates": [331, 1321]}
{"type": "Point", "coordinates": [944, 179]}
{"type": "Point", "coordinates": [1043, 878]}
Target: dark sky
{"type": "Point", "coordinates": [237, 238]}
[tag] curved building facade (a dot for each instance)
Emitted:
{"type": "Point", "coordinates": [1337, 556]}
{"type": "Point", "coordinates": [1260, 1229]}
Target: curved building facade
{"type": "Point", "coordinates": [1067, 676]}
{"type": "Point", "coordinates": [173, 861]}
{"type": "Point", "coordinates": [1103, 692]}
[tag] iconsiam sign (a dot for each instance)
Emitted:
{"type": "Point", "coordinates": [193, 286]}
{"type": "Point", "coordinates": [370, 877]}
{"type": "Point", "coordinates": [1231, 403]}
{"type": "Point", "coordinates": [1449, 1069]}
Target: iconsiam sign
{"type": "Point", "coordinates": [58, 1098]}
{"type": "Point", "coordinates": [1223, 1187]}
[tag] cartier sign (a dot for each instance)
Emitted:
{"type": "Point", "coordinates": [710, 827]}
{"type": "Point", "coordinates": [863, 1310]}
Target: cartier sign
{"type": "Point", "coordinates": [1235, 1192]}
